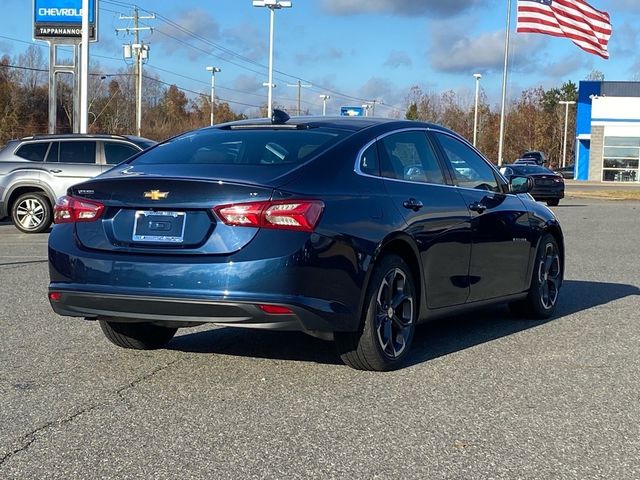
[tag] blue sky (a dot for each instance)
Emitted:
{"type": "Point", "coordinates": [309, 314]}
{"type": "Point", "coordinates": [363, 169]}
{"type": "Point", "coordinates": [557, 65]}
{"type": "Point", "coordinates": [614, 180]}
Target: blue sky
{"type": "Point", "coordinates": [350, 49]}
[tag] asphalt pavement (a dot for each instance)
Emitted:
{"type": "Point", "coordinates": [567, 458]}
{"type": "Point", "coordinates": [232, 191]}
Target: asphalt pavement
{"type": "Point", "coordinates": [485, 395]}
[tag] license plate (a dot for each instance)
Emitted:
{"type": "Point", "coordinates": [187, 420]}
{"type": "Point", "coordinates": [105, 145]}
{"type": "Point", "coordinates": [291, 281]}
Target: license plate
{"type": "Point", "coordinates": [162, 227]}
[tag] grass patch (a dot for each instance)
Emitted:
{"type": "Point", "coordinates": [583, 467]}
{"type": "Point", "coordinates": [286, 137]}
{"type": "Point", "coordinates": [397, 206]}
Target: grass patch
{"type": "Point", "coordinates": [606, 194]}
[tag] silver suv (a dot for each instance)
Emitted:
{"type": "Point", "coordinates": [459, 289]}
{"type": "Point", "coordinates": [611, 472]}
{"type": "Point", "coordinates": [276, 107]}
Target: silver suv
{"type": "Point", "coordinates": [35, 171]}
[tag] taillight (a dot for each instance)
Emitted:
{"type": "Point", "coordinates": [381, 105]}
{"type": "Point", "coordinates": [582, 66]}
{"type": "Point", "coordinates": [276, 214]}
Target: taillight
{"type": "Point", "coordinates": [300, 215]}
{"type": "Point", "coordinates": [71, 210]}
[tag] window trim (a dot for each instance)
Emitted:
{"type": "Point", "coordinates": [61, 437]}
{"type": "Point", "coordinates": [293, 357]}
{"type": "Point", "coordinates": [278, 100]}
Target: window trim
{"type": "Point", "coordinates": [502, 182]}
{"type": "Point", "coordinates": [102, 154]}
{"type": "Point", "coordinates": [445, 169]}
{"type": "Point", "coordinates": [22, 144]}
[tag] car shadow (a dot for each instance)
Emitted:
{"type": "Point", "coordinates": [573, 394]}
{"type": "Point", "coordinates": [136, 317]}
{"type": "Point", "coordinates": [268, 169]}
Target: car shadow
{"type": "Point", "coordinates": [435, 339]}
{"type": "Point", "coordinates": [561, 205]}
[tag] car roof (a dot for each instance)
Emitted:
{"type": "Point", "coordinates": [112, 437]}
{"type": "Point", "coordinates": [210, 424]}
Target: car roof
{"type": "Point", "coordinates": [353, 124]}
{"type": "Point", "coordinates": [72, 136]}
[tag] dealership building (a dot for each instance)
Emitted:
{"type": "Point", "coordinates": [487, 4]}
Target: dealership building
{"type": "Point", "coordinates": [608, 132]}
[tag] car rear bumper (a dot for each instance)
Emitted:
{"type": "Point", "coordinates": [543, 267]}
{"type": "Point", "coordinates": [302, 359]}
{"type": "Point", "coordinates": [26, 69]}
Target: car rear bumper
{"type": "Point", "coordinates": [191, 311]}
{"type": "Point", "coordinates": [314, 277]}
{"type": "Point", "coordinates": [547, 193]}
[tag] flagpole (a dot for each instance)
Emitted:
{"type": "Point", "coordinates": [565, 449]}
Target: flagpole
{"type": "Point", "coordinates": [504, 83]}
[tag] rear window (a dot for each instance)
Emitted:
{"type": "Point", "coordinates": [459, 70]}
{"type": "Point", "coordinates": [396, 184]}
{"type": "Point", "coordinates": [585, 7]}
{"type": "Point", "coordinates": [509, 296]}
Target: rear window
{"type": "Point", "coordinates": [529, 169]}
{"type": "Point", "coordinates": [33, 151]}
{"type": "Point", "coordinates": [243, 147]}
{"type": "Point", "coordinates": [115, 153]}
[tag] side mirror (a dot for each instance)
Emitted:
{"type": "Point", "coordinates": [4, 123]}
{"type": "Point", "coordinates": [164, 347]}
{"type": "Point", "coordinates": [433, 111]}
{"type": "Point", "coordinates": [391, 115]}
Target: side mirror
{"type": "Point", "coordinates": [521, 184]}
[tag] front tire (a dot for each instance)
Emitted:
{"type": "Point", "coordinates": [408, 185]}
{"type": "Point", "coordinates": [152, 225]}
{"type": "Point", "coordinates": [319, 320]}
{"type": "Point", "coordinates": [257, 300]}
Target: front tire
{"type": "Point", "coordinates": [389, 318]}
{"type": "Point", "coordinates": [542, 299]}
{"type": "Point", "coordinates": [137, 336]}
{"type": "Point", "coordinates": [31, 213]}
{"type": "Point", "coordinates": [553, 203]}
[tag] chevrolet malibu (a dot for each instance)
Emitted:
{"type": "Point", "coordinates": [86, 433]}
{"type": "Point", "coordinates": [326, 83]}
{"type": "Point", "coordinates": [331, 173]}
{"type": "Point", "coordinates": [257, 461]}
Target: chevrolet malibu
{"type": "Point", "coordinates": [354, 230]}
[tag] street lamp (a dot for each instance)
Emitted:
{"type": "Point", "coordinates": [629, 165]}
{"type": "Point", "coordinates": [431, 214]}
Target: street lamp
{"type": "Point", "coordinates": [213, 71]}
{"type": "Point", "coordinates": [566, 123]}
{"type": "Point", "coordinates": [272, 5]}
{"type": "Point", "coordinates": [477, 76]}
{"type": "Point", "coordinates": [324, 103]}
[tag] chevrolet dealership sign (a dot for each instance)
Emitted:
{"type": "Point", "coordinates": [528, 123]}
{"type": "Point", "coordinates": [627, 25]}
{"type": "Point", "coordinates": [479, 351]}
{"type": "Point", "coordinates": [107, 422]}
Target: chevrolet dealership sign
{"type": "Point", "coordinates": [62, 19]}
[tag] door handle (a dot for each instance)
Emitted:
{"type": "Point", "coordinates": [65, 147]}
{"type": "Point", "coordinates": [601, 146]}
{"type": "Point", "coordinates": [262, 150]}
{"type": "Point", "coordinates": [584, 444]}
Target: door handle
{"type": "Point", "coordinates": [413, 204]}
{"type": "Point", "coordinates": [477, 207]}
{"type": "Point", "coordinates": [55, 170]}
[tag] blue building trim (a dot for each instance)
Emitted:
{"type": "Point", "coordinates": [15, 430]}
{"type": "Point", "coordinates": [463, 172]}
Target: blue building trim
{"type": "Point", "coordinates": [586, 89]}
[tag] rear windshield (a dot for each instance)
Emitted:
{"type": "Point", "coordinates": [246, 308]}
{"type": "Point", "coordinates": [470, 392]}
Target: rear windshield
{"type": "Point", "coordinates": [242, 147]}
{"type": "Point", "coordinates": [529, 169]}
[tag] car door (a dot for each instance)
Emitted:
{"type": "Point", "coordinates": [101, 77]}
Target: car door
{"type": "Point", "coordinates": [502, 239]}
{"type": "Point", "coordinates": [434, 212]}
{"type": "Point", "coordinates": [70, 162]}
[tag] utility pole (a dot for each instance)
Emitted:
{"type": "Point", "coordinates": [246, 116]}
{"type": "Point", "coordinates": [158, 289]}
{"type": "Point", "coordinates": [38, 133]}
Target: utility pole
{"type": "Point", "coordinates": [140, 52]}
{"type": "Point", "coordinates": [300, 85]}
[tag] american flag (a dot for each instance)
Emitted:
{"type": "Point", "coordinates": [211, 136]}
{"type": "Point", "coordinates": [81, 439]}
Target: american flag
{"type": "Point", "coordinates": [588, 28]}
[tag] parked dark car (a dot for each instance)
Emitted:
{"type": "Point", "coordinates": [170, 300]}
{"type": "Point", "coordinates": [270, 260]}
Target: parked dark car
{"type": "Point", "coordinates": [536, 155]}
{"type": "Point", "coordinates": [351, 229]}
{"type": "Point", "coordinates": [548, 186]}
{"type": "Point", "coordinates": [525, 161]}
{"type": "Point", "coordinates": [567, 173]}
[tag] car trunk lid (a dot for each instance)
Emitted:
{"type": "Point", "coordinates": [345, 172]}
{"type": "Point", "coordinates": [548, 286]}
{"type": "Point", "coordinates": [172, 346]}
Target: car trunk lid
{"type": "Point", "coordinates": [157, 215]}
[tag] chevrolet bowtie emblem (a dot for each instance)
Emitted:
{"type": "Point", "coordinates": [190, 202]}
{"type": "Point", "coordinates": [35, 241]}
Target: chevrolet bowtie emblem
{"type": "Point", "coordinates": [156, 194]}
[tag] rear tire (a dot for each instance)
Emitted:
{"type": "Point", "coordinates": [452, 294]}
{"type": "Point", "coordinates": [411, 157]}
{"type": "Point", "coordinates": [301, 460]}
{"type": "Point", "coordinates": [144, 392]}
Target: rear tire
{"type": "Point", "coordinates": [546, 281]}
{"type": "Point", "coordinates": [553, 203]}
{"type": "Point", "coordinates": [137, 336]}
{"type": "Point", "coordinates": [388, 321]}
{"type": "Point", "coordinates": [31, 213]}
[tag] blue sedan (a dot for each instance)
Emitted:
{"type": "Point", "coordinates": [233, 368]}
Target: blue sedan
{"type": "Point", "coordinates": [349, 229]}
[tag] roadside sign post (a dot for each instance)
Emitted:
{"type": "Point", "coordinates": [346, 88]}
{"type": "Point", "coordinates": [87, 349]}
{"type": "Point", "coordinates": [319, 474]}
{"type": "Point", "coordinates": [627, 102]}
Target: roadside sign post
{"type": "Point", "coordinates": [59, 22]}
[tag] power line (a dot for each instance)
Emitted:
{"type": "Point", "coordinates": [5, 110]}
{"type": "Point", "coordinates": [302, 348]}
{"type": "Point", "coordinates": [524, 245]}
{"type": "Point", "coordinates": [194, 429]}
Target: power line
{"type": "Point", "coordinates": [239, 56]}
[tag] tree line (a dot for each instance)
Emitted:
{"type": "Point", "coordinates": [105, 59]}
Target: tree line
{"type": "Point", "coordinates": [534, 120]}
{"type": "Point", "coordinates": [166, 109]}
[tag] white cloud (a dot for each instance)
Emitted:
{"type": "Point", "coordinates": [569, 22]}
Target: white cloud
{"type": "Point", "coordinates": [430, 8]}
{"type": "Point", "coordinates": [454, 50]}
{"type": "Point", "coordinates": [331, 53]}
{"type": "Point", "coordinates": [397, 59]}
{"type": "Point", "coordinates": [197, 22]}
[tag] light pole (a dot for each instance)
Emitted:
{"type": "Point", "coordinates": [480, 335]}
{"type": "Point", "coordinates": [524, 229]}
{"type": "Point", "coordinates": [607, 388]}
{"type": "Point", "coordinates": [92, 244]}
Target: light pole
{"type": "Point", "coordinates": [503, 106]}
{"type": "Point", "coordinates": [566, 124]}
{"type": "Point", "coordinates": [477, 76]}
{"type": "Point", "coordinates": [213, 71]}
{"type": "Point", "coordinates": [324, 103]}
{"type": "Point", "coordinates": [84, 68]}
{"type": "Point", "coordinates": [272, 5]}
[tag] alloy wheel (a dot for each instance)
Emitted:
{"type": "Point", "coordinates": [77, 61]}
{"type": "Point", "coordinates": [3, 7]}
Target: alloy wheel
{"type": "Point", "coordinates": [30, 213]}
{"type": "Point", "coordinates": [394, 313]}
{"type": "Point", "coordinates": [549, 276]}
